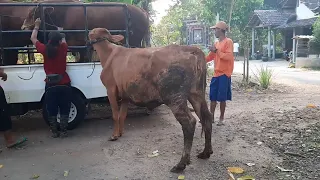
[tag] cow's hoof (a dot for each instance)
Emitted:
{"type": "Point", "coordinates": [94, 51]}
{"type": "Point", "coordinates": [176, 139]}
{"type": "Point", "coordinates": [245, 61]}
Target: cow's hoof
{"type": "Point", "coordinates": [204, 155]}
{"type": "Point", "coordinates": [113, 138]}
{"type": "Point", "coordinates": [178, 168]}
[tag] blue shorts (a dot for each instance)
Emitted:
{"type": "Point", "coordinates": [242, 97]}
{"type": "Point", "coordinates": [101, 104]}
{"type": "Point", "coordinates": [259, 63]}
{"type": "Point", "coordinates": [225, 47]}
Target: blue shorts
{"type": "Point", "coordinates": [220, 88]}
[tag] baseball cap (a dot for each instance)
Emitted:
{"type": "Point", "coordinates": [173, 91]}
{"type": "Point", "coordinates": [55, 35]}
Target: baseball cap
{"type": "Point", "coordinates": [220, 25]}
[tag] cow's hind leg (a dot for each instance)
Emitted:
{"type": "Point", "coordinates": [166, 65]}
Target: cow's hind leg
{"type": "Point", "coordinates": [201, 108]}
{"type": "Point", "coordinates": [188, 123]}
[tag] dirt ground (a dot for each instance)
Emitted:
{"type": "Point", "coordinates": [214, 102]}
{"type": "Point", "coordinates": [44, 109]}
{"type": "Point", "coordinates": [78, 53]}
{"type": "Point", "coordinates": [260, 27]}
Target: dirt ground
{"type": "Point", "coordinates": [268, 128]}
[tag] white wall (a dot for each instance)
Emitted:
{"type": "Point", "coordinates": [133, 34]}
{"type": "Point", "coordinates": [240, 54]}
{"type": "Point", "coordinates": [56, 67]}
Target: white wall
{"type": "Point", "coordinates": [303, 12]}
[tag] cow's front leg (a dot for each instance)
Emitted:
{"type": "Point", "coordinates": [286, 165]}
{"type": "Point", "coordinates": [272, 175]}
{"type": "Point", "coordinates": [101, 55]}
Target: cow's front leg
{"type": "Point", "coordinates": [123, 115]}
{"type": "Point", "coordinates": [112, 96]}
{"type": "Point", "coordinates": [188, 123]}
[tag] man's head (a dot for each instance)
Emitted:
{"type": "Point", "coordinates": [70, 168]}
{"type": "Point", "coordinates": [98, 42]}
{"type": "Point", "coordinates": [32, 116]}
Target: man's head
{"type": "Point", "coordinates": [220, 29]}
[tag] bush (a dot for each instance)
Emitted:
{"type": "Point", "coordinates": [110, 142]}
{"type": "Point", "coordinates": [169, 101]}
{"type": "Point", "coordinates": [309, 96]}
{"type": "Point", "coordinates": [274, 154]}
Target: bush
{"type": "Point", "coordinates": [315, 42]}
{"type": "Point", "coordinates": [263, 76]}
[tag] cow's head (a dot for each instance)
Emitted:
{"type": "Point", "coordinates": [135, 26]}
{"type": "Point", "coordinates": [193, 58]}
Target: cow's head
{"type": "Point", "coordinates": [101, 34]}
{"type": "Point", "coordinates": [33, 14]}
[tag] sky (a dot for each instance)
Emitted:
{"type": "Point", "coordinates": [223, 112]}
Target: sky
{"type": "Point", "coordinates": [160, 6]}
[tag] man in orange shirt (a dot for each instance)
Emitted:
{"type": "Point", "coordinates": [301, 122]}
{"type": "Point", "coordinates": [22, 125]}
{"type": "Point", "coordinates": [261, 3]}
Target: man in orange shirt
{"type": "Point", "coordinates": [222, 54]}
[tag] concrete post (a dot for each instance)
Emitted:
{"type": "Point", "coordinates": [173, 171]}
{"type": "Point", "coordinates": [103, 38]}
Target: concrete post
{"type": "Point", "coordinates": [252, 42]}
{"type": "Point", "coordinates": [269, 42]}
{"type": "Point", "coordinates": [274, 45]}
{"type": "Point", "coordinates": [294, 53]}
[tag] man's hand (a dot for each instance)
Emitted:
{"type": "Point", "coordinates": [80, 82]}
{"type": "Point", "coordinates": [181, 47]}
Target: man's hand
{"type": "Point", "coordinates": [60, 28]}
{"type": "Point", "coordinates": [37, 23]}
{"type": "Point", "coordinates": [4, 76]}
{"type": "Point", "coordinates": [213, 49]}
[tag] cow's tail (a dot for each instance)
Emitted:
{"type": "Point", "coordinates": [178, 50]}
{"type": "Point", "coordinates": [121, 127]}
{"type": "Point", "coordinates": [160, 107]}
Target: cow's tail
{"type": "Point", "coordinates": [206, 117]}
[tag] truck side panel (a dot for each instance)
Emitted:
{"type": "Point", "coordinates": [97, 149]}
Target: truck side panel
{"type": "Point", "coordinates": [26, 82]}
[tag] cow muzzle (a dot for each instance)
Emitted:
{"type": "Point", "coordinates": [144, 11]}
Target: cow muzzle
{"type": "Point", "coordinates": [25, 27]}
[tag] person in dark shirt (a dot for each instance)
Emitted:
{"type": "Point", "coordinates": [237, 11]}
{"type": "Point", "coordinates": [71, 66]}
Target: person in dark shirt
{"type": "Point", "coordinates": [5, 119]}
{"type": "Point", "coordinates": [58, 89]}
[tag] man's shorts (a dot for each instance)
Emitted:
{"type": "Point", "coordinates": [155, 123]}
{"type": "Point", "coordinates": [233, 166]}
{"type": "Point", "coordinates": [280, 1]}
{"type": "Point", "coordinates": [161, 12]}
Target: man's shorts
{"type": "Point", "coordinates": [220, 88]}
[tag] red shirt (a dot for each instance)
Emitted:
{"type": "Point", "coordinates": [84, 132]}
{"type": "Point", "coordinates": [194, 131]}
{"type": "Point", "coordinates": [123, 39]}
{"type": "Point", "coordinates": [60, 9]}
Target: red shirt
{"type": "Point", "coordinates": [56, 65]}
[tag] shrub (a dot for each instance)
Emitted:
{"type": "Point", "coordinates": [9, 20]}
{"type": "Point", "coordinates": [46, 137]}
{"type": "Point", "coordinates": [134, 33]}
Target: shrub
{"type": "Point", "coordinates": [263, 76]}
{"type": "Point", "coordinates": [315, 42]}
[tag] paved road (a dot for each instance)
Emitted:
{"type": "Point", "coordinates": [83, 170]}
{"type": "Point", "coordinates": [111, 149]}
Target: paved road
{"type": "Point", "coordinates": [282, 73]}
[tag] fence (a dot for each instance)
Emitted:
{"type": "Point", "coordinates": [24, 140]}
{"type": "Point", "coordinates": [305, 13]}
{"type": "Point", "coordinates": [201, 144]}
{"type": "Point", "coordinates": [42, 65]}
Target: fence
{"type": "Point", "coordinates": [43, 24]}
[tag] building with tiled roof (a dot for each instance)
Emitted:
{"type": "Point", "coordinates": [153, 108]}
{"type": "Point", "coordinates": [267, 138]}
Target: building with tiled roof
{"type": "Point", "coordinates": [291, 17]}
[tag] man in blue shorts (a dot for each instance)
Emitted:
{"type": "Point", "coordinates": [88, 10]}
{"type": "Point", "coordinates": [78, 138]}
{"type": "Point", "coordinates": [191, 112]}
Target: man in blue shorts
{"type": "Point", "coordinates": [222, 54]}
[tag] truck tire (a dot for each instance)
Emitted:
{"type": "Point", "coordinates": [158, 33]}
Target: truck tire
{"type": "Point", "coordinates": [77, 112]}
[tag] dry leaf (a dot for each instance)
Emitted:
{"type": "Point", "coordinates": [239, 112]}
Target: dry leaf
{"type": "Point", "coordinates": [1, 166]}
{"type": "Point", "coordinates": [236, 170]}
{"type": "Point", "coordinates": [35, 176]}
{"type": "Point", "coordinates": [181, 177]}
{"type": "Point", "coordinates": [311, 106]}
{"type": "Point", "coordinates": [66, 173]}
{"type": "Point", "coordinates": [249, 90]}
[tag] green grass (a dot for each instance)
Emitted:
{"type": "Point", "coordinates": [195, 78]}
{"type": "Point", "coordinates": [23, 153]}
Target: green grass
{"type": "Point", "coordinates": [263, 76]}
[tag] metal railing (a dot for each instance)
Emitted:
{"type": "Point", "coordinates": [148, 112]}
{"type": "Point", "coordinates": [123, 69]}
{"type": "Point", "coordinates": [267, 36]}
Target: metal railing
{"type": "Point", "coordinates": [43, 24]}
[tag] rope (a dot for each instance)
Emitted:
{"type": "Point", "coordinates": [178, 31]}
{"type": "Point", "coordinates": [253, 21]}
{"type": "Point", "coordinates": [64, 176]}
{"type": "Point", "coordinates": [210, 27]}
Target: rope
{"type": "Point", "coordinates": [30, 77]}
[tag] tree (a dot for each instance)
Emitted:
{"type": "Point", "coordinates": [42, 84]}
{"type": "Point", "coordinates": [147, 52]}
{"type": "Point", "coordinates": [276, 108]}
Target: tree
{"type": "Point", "coordinates": [171, 28]}
{"type": "Point", "coordinates": [315, 42]}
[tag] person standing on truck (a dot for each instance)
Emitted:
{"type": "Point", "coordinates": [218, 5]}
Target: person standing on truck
{"type": "Point", "coordinates": [58, 90]}
{"type": "Point", "coordinates": [5, 119]}
{"type": "Point", "coordinates": [222, 54]}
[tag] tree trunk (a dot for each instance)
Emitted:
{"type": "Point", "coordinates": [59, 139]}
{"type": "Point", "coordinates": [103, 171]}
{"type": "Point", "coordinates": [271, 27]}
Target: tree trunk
{"type": "Point", "coordinates": [230, 13]}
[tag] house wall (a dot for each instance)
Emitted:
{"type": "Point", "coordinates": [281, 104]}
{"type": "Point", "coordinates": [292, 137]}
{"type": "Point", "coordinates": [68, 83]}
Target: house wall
{"type": "Point", "coordinates": [307, 62]}
{"type": "Point", "coordinates": [303, 12]}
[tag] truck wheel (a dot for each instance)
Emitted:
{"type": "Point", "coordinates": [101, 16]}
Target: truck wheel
{"type": "Point", "coordinates": [77, 112]}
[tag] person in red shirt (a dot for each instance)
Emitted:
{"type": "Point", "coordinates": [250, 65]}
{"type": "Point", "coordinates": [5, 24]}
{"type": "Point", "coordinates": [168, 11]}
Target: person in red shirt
{"type": "Point", "coordinates": [5, 119]}
{"type": "Point", "coordinates": [58, 84]}
{"type": "Point", "coordinates": [222, 54]}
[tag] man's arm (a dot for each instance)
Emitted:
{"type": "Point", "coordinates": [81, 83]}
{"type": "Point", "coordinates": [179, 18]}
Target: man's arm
{"type": "Point", "coordinates": [226, 53]}
{"type": "Point", "coordinates": [211, 56]}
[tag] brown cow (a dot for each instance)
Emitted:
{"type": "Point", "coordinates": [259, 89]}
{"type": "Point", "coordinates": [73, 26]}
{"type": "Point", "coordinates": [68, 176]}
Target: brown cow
{"type": "Point", "coordinates": [149, 77]}
{"type": "Point", "coordinates": [12, 18]}
{"type": "Point", "coordinates": [72, 18]}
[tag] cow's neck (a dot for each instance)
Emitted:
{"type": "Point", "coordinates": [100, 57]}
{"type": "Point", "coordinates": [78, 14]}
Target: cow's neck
{"type": "Point", "coordinates": [105, 50]}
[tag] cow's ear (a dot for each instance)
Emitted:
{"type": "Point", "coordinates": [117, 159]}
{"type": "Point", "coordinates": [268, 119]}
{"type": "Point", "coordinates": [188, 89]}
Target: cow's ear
{"type": "Point", "coordinates": [117, 38]}
{"type": "Point", "coordinates": [49, 10]}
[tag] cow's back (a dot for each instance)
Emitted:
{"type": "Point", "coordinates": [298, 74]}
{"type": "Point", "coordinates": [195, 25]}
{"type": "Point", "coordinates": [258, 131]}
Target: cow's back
{"type": "Point", "coordinates": [149, 71]}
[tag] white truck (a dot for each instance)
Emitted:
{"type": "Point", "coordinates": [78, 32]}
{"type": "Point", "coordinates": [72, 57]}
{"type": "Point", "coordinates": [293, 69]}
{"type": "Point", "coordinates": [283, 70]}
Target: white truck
{"type": "Point", "coordinates": [25, 87]}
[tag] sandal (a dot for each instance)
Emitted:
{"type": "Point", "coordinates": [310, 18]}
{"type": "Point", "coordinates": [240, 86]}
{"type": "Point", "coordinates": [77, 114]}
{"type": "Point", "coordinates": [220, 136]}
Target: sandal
{"type": "Point", "coordinates": [17, 143]}
{"type": "Point", "coordinates": [220, 123]}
